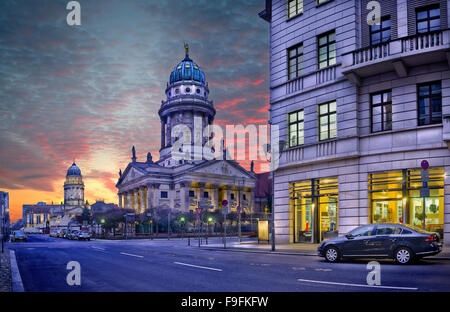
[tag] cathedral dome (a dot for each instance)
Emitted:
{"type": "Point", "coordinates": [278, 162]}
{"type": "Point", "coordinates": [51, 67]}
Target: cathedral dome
{"type": "Point", "coordinates": [73, 171]}
{"type": "Point", "coordinates": [187, 69]}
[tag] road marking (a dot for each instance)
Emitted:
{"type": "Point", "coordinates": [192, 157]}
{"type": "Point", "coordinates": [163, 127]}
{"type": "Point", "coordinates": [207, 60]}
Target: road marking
{"type": "Point", "coordinates": [324, 270]}
{"type": "Point", "coordinates": [99, 248]}
{"type": "Point", "coordinates": [357, 285]}
{"type": "Point", "coordinates": [198, 266]}
{"type": "Point", "coordinates": [127, 254]}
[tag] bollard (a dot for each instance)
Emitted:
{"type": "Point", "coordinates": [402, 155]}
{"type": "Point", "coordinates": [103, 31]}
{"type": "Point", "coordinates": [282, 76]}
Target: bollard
{"type": "Point", "coordinates": [189, 241]}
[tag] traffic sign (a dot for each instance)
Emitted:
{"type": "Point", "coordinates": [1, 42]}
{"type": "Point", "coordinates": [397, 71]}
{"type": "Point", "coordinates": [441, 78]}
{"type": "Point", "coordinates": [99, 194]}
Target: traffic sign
{"type": "Point", "coordinates": [225, 202]}
{"type": "Point", "coordinates": [199, 210]}
{"type": "Point", "coordinates": [425, 165]}
{"type": "Point", "coordinates": [425, 176]}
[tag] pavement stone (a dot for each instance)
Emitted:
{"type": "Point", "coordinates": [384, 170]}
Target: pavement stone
{"type": "Point", "coordinates": [5, 271]}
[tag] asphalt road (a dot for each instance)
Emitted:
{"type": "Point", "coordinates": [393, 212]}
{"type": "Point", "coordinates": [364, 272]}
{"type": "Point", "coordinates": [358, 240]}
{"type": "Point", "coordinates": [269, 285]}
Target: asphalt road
{"type": "Point", "coordinates": [162, 265]}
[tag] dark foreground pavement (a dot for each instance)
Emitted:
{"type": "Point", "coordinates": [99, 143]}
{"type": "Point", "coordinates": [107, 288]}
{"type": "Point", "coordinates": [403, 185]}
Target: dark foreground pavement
{"type": "Point", "coordinates": [162, 265]}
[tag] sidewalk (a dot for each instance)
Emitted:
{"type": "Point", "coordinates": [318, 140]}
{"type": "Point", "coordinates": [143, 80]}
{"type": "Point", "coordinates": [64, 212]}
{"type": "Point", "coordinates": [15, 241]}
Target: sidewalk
{"type": "Point", "coordinates": [291, 249]}
{"type": "Point", "coordinates": [5, 271]}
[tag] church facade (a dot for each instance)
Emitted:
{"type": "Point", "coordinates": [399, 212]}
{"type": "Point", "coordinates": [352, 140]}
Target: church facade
{"type": "Point", "coordinates": [185, 183]}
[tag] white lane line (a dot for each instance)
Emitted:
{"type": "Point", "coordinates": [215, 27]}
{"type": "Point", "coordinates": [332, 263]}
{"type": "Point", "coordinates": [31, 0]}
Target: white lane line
{"type": "Point", "coordinates": [357, 285]}
{"type": "Point", "coordinates": [198, 266]}
{"type": "Point", "coordinates": [99, 248]}
{"type": "Point", "coordinates": [131, 255]}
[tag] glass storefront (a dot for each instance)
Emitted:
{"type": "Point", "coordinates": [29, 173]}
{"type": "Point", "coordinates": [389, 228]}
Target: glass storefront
{"type": "Point", "coordinates": [315, 206]}
{"type": "Point", "coordinates": [395, 197]}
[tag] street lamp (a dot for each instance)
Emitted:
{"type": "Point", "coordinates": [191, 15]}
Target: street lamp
{"type": "Point", "coordinates": [182, 220]}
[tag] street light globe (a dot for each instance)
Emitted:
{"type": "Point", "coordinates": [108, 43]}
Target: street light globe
{"type": "Point", "coordinates": [210, 219]}
{"type": "Point", "coordinates": [182, 219]}
{"type": "Point", "coordinates": [102, 220]}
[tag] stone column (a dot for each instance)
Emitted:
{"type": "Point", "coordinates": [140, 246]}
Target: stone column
{"type": "Point", "coordinates": [120, 200]}
{"type": "Point", "coordinates": [169, 132]}
{"type": "Point", "coordinates": [202, 191]}
{"type": "Point", "coordinates": [136, 194]}
{"type": "Point", "coordinates": [216, 197]}
{"type": "Point", "coordinates": [163, 133]}
{"type": "Point", "coordinates": [251, 201]}
{"type": "Point", "coordinates": [155, 188]}
{"type": "Point", "coordinates": [142, 198]}
{"type": "Point", "coordinates": [150, 190]}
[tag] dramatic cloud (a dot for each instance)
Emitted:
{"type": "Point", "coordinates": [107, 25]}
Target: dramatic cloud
{"type": "Point", "coordinates": [90, 92]}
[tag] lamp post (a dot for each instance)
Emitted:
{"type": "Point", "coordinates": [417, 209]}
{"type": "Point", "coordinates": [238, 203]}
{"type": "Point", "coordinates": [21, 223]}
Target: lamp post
{"type": "Point", "coordinates": [182, 220]}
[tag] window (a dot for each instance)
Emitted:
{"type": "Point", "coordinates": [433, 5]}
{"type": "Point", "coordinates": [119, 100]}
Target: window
{"type": "Point", "coordinates": [387, 230]}
{"type": "Point", "coordinates": [319, 2]}
{"type": "Point", "coordinates": [191, 194]}
{"type": "Point", "coordinates": [429, 103]}
{"type": "Point", "coordinates": [232, 196]}
{"type": "Point", "coordinates": [296, 128]}
{"type": "Point", "coordinates": [362, 231]}
{"type": "Point", "coordinates": [295, 7]}
{"type": "Point", "coordinates": [381, 111]}
{"type": "Point", "coordinates": [244, 197]}
{"type": "Point", "coordinates": [295, 61]}
{"type": "Point", "coordinates": [381, 33]}
{"type": "Point", "coordinates": [164, 194]}
{"type": "Point", "coordinates": [327, 121]}
{"type": "Point", "coordinates": [428, 19]}
{"type": "Point", "coordinates": [205, 195]}
{"type": "Point", "coordinates": [327, 49]}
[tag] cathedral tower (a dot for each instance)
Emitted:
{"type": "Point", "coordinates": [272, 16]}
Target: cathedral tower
{"type": "Point", "coordinates": [186, 101]}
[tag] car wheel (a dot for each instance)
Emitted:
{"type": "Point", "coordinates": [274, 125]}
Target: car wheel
{"type": "Point", "coordinates": [332, 254]}
{"type": "Point", "coordinates": [403, 255]}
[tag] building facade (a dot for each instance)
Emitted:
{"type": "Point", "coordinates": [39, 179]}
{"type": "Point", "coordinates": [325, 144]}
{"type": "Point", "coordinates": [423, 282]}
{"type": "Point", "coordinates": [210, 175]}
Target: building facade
{"type": "Point", "coordinates": [4, 213]}
{"type": "Point", "coordinates": [188, 182]}
{"type": "Point", "coordinates": [42, 215]}
{"type": "Point", "coordinates": [359, 105]}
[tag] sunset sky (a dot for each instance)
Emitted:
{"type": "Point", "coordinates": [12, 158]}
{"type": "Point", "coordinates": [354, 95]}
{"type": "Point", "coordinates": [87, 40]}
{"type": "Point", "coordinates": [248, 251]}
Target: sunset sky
{"type": "Point", "coordinates": [91, 92]}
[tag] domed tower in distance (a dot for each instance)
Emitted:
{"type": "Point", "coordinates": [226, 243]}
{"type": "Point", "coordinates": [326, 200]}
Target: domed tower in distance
{"type": "Point", "coordinates": [186, 100]}
{"type": "Point", "coordinates": [73, 187]}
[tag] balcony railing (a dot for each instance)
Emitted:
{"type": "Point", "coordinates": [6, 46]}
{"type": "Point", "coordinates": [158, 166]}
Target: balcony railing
{"type": "Point", "coordinates": [313, 79]}
{"type": "Point", "coordinates": [402, 47]}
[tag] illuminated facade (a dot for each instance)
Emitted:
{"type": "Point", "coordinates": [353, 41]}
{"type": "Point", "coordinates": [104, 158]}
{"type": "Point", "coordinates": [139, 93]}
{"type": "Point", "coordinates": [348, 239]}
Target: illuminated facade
{"type": "Point", "coordinates": [74, 192]}
{"type": "Point", "coordinates": [191, 182]}
{"type": "Point", "coordinates": [359, 107]}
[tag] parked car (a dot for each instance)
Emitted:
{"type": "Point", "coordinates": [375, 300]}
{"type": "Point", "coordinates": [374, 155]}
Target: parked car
{"type": "Point", "coordinates": [401, 242]}
{"type": "Point", "coordinates": [62, 233]}
{"type": "Point", "coordinates": [53, 233]}
{"type": "Point", "coordinates": [19, 236]}
{"type": "Point", "coordinates": [84, 235]}
{"type": "Point", "coordinates": [73, 234]}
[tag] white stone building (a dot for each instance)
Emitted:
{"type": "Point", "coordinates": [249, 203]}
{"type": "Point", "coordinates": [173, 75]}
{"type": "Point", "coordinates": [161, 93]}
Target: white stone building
{"type": "Point", "coordinates": [359, 107]}
{"type": "Point", "coordinates": [185, 184]}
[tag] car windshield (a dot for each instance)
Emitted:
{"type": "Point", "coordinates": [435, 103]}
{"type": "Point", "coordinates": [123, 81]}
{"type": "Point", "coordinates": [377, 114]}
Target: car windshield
{"type": "Point", "coordinates": [18, 233]}
{"type": "Point", "coordinates": [84, 232]}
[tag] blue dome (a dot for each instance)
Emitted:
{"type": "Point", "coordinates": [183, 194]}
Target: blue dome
{"type": "Point", "coordinates": [73, 171]}
{"type": "Point", "coordinates": [187, 70]}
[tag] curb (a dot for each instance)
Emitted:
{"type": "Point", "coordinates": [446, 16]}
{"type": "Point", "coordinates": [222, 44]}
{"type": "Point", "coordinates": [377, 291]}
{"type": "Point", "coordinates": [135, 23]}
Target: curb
{"type": "Point", "coordinates": [16, 279]}
{"type": "Point", "coordinates": [288, 253]}
{"type": "Point", "coordinates": [260, 251]}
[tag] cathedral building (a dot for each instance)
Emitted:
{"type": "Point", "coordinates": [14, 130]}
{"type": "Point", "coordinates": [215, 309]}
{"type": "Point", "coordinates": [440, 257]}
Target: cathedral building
{"type": "Point", "coordinates": [191, 182]}
{"type": "Point", "coordinates": [74, 192]}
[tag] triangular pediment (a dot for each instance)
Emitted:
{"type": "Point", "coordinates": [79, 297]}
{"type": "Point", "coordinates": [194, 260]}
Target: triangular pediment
{"type": "Point", "coordinates": [131, 175]}
{"type": "Point", "coordinates": [222, 168]}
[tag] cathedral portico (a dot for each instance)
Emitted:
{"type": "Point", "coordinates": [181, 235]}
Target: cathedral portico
{"type": "Point", "coordinates": [186, 184]}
